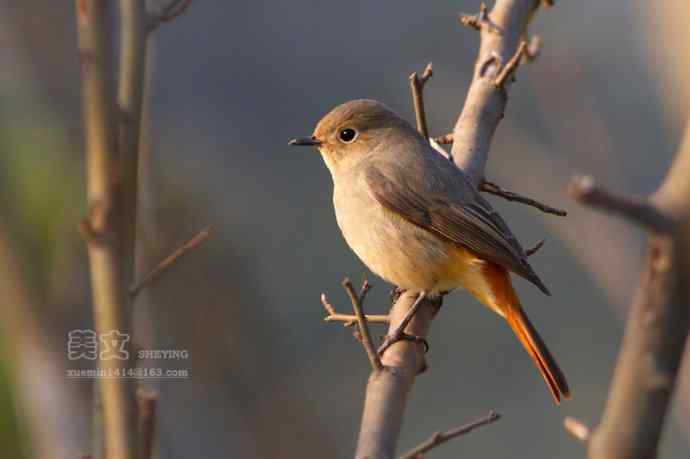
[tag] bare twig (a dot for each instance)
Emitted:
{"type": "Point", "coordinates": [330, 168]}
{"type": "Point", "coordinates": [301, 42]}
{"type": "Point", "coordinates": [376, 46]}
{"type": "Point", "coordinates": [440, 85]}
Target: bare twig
{"type": "Point", "coordinates": [445, 139]}
{"type": "Point", "coordinates": [584, 190]}
{"type": "Point", "coordinates": [533, 48]}
{"type": "Point", "coordinates": [479, 20]}
{"type": "Point", "coordinates": [417, 88]}
{"type": "Point", "coordinates": [105, 221]}
{"type": "Point", "coordinates": [496, 190]}
{"type": "Point", "coordinates": [577, 429]}
{"type": "Point", "coordinates": [532, 250]}
{"type": "Point", "coordinates": [148, 407]}
{"type": "Point", "coordinates": [171, 259]}
{"type": "Point", "coordinates": [168, 13]}
{"type": "Point", "coordinates": [438, 438]}
{"type": "Point", "coordinates": [349, 320]}
{"type": "Point", "coordinates": [509, 69]}
{"type": "Point", "coordinates": [130, 102]}
{"type": "Point", "coordinates": [364, 332]}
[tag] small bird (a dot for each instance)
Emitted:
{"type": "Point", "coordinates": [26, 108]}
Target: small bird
{"type": "Point", "coordinates": [414, 219]}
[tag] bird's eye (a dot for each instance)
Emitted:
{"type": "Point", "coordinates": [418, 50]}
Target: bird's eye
{"type": "Point", "coordinates": [347, 135]}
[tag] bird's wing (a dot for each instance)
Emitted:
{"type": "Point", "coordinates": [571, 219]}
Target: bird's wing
{"type": "Point", "coordinates": [458, 214]}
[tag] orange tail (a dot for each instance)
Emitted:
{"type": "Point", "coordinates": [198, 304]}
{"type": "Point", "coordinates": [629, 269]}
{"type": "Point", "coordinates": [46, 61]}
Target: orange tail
{"type": "Point", "coordinates": [535, 347]}
{"type": "Point", "coordinates": [506, 303]}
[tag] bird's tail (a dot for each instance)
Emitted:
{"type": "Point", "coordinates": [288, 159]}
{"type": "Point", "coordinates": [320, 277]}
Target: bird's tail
{"type": "Point", "coordinates": [535, 347]}
{"type": "Point", "coordinates": [505, 302]}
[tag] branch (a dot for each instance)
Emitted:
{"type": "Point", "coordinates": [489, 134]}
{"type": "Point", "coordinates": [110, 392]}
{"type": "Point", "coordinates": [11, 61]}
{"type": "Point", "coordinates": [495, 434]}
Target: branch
{"type": "Point", "coordinates": [417, 88]}
{"type": "Point", "coordinates": [479, 21]}
{"type": "Point", "coordinates": [130, 101]}
{"type": "Point", "coordinates": [509, 69]}
{"type": "Point", "coordinates": [438, 438]}
{"type": "Point", "coordinates": [585, 191]}
{"type": "Point", "coordinates": [496, 190]}
{"type": "Point", "coordinates": [487, 96]}
{"type": "Point", "coordinates": [363, 327]}
{"type": "Point", "coordinates": [659, 318]}
{"type": "Point", "coordinates": [173, 10]}
{"type": "Point", "coordinates": [577, 429]}
{"type": "Point", "coordinates": [171, 259]}
{"type": "Point", "coordinates": [104, 224]}
{"type": "Point", "coordinates": [148, 407]}
{"type": "Point", "coordinates": [532, 250]}
{"type": "Point", "coordinates": [349, 319]}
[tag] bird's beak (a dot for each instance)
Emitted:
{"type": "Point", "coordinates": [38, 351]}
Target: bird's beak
{"type": "Point", "coordinates": [305, 141]}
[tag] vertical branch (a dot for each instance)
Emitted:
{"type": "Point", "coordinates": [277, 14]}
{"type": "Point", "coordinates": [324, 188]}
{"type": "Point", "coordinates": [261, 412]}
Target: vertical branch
{"type": "Point", "coordinates": [102, 227]}
{"type": "Point", "coordinates": [132, 70]}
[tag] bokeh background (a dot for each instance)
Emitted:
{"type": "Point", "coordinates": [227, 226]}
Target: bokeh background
{"type": "Point", "coordinates": [230, 84]}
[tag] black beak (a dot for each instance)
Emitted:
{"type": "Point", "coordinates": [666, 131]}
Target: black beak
{"type": "Point", "coordinates": [305, 141]}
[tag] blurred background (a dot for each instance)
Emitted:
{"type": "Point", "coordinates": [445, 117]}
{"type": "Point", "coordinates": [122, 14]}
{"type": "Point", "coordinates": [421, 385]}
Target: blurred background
{"type": "Point", "coordinates": [230, 84]}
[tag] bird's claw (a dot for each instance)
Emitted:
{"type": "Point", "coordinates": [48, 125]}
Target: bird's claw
{"type": "Point", "coordinates": [389, 340]}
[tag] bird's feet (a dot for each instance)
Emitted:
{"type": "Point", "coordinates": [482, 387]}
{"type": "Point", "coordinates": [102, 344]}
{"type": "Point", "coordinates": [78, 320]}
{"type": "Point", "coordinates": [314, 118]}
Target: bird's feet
{"type": "Point", "coordinates": [399, 334]}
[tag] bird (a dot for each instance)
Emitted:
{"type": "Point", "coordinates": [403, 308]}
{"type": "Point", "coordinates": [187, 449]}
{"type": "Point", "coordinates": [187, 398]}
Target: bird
{"type": "Point", "coordinates": [413, 218]}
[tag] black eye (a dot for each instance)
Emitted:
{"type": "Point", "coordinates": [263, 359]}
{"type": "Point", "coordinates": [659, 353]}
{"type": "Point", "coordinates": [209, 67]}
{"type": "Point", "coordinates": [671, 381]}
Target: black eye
{"type": "Point", "coordinates": [347, 135]}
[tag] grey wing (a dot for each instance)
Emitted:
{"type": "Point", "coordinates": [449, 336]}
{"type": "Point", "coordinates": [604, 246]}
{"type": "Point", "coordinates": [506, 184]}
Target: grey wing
{"type": "Point", "coordinates": [458, 214]}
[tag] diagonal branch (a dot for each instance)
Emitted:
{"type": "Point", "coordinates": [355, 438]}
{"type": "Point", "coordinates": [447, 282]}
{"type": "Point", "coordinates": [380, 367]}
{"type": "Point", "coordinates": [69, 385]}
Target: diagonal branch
{"type": "Point", "coordinates": [170, 260]}
{"type": "Point", "coordinates": [363, 327]}
{"type": "Point", "coordinates": [439, 438]}
{"type": "Point", "coordinates": [496, 190]}
{"type": "Point", "coordinates": [170, 12]}
{"type": "Point", "coordinates": [585, 191]}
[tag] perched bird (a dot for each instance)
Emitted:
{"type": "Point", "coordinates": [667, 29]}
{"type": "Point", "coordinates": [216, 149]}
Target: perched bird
{"type": "Point", "coordinates": [413, 218]}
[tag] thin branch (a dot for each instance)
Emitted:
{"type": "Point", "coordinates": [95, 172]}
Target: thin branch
{"type": "Point", "coordinates": [417, 88]}
{"type": "Point", "coordinates": [105, 219]}
{"type": "Point", "coordinates": [533, 48]}
{"type": "Point", "coordinates": [496, 190]}
{"type": "Point", "coordinates": [584, 190]}
{"type": "Point", "coordinates": [438, 438]}
{"type": "Point", "coordinates": [173, 10]}
{"type": "Point", "coordinates": [445, 139]}
{"type": "Point", "coordinates": [479, 21]}
{"type": "Point", "coordinates": [171, 259]}
{"type": "Point", "coordinates": [364, 332]}
{"type": "Point", "coordinates": [132, 68]}
{"type": "Point", "coordinates": [148, 407]}
{"type": "Point", "coordinates": [509, 69]}
{"type": "Point", "coordinates": [349, 320]}
{"type": "Point", "coordinates": [532, 250]}
{"type": "Point", "coordinates": [577, 429]}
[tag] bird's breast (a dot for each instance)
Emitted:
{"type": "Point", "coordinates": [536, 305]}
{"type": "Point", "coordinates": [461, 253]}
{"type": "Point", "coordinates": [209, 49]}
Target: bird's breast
{"type": "Point", "coordinates": [390, 246]}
